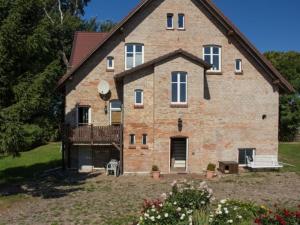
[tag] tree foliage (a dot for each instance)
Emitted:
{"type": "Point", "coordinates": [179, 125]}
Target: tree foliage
{"type": "Point", "coordinates": [35, 42]}
{"type": "Point", "coordinates": [288, 64]}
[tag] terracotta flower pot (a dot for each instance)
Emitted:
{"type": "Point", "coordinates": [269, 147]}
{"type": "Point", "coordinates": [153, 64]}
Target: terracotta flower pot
{"type": "Point", "coordinates": [210, 174]}
{"type": "Point", "coordinates": [156, 175]}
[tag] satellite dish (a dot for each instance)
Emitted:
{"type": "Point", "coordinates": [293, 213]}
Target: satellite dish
{"type": "Point", "coordinates": [103, 87]}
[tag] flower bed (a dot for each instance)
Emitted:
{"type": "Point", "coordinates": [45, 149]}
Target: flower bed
{"type": "Point", "coordinates": [190, 204]}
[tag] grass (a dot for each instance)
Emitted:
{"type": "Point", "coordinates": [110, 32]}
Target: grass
{"type": "Point", "coordinates": [29, 163]}
{"type": "Point", "coordinates": [290, 153]}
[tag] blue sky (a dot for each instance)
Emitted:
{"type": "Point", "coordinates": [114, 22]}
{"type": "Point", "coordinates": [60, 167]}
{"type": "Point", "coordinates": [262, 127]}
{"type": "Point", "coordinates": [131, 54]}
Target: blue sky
{"type": "Point", "coordinates": [269, 24]}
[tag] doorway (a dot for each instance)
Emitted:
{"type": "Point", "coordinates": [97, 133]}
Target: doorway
{"type": "Point", "coordinates": [178, 162]}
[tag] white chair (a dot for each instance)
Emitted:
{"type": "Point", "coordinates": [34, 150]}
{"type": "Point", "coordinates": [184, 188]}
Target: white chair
{"type": "Point", "coordinates": [113, 166]}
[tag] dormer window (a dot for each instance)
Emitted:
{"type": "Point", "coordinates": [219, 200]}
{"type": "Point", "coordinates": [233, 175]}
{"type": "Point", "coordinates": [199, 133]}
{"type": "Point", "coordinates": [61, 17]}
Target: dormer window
{"type": "Point", "coordinates": [170, 21]}
{"type": "Point", "coordinates": [134, 55]}
{"type": "Point", "coordinates": [181, 21]}
{"type": "Point", "coordinates": [212, 55]}
{"type": "Point", "coordinates": [110, 65]}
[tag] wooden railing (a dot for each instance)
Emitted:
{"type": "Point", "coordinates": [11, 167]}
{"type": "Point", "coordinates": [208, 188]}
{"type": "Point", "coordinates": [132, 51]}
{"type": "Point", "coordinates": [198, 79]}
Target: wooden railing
{"type": "Point", "coordinates": [93, 134]}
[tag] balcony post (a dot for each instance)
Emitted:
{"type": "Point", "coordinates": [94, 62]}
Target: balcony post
{"type": "Point", "coordinates": [92, 134]}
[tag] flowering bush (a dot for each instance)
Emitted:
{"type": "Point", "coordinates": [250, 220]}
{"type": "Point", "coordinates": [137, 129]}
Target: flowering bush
{"type": "Point", "coordinates": [232, 212]}
{"type": "Point", "coordinates": [178, 206]}
{"type": "Point", "coordinates": [279, 217]}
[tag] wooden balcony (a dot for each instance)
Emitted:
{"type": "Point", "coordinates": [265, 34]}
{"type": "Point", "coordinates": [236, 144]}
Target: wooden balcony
{"type": "Point", "coordinates": [93, 135]}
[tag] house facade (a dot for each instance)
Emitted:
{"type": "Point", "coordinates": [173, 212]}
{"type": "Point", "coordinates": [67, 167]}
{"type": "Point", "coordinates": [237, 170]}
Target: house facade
{"type": "Point", "coordinates": [176, 85]}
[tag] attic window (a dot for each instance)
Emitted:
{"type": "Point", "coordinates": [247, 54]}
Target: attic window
{"type": "Point", "coordinates": [212, 55]}
{"type": "Point", "coordinates": [181, 21]}
{"type": "Point", "coordinates": [110, 63]}
{"type": "Point", "coordinates": [134, 55]}
{"type": "Point", "coordinates": [238, 66]}
{"type": "Point", "coordinates": [170, 21]}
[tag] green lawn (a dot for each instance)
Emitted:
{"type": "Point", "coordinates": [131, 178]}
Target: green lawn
{"type": "Point", "coordinates": [29, 163]}
{"type": "Point", "coordinates": [290, 153]}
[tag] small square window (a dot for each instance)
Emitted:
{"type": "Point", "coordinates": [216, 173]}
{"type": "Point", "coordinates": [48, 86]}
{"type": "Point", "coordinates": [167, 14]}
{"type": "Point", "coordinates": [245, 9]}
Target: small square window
{"type": "Point", "coordinates": [110, 63]}
{"type": "Point", "coordinates": [181, 21]}
{"type": "Point", "coordinates": [170, 21]}
{"type": "Point", "coordinates": [245, 153]}
{"type": "Point", "coordinates": [144, 139]}
{"type": "Point", "coordinates": [132, 139]}
{"type": "Point", "coordinates": [238, 66]}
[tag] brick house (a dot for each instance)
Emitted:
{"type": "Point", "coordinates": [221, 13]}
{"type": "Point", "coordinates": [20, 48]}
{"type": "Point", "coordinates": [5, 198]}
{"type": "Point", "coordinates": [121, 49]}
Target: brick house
{"type": "Point", "coordinates": [184, 88]}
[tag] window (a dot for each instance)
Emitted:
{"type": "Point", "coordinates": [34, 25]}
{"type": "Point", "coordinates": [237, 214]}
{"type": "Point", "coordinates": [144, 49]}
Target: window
{"type": "Point", "coordinates": [212, 55]}
{"type": "Point", "coordinates": [179, 87]}
{"type": "Point", "coordinates": [244, 153]}
{"type": "Point", "coordinates": [83, 115]}
{"type": "Point", "coordinates": [169, 21]}
{"type": "Point", "coordinates": [132, 139]}
{"type": "Point", "coordinates": [144, 139]}
{"type": "Point", "coordinates": [115, 112]}
{"type": "Point", "coordinates": [110, 63]}
{"type": "Point", "coordinates": [138, 97]}
{"type": "Point", "coordinates": [134, 54]}
{"type": "Point", "coordinates": [238, 65]}
{"type": "Point", "coordinates": [181, 21]}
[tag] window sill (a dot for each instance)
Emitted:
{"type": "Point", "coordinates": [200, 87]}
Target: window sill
{"type": "Point", "coordinates": [132, 147]}
{"type": "Point", "coordinates": [181, 29]}
{"type": "Point", "coordinates": [138, 106]}
{"type": "Point", "coordinates": [144, 147]}
{"type": "Point", "coordinates": [214, 73]}
{"type": "Point", "coordinates": [167, 28]}
{"type": "Point", "coordinates": [176, 105]}
{"type": "Point", "coordinates": [239, 73]}
{"type": "Point", "coordinates": [110, 70]}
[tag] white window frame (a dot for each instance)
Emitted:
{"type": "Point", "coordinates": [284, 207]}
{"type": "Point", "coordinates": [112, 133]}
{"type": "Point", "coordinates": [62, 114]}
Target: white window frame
{"type": "Point", "coordinates": [238, 152]}
{"type": "Point", "coordinates": [211, 54]}
{"type": "Point", "coordinates": [89, 114]}
{"type": "Point", "coordinates": [178, 88]}
{"type": "Point", "coordinates": [111, 109]}
{"type": "Point", "coordinates": [134, 54]}
{"type": "Point", "coordinates": [112, 62]}
{"type": "Point", "coordinates": [167, 25]}
{"type": "Point", "coordinates": [134, 142]}
{"type": "Point", "coordinates": [183, 16]}
{"type": "Point", "coordinates": [135, 96]}
{"type": "Point", "coordinates": [240, 62]}
{"type": "Point", "coordinates": [146, 139]}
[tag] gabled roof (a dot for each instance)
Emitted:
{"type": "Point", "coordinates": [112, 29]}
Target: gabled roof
{"type": "Point", "coordinates": [83, 44]}
{"type": "Point", "coordinates": [163, 58]}
{"type": "Point", "coordinates": [216, 14]}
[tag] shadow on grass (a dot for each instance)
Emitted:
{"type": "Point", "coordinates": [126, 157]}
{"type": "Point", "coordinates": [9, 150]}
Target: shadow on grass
{"type": "Point", "coordinates": [32, 180]}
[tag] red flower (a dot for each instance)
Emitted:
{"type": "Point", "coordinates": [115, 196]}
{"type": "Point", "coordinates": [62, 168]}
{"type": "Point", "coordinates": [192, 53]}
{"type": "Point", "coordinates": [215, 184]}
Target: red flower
{"type": "Point", "coordinates": [286, 213]}
{"type": "Point", "coordinates": [258, 221]}
{"type": "Point", "coordinates": [280, 220]}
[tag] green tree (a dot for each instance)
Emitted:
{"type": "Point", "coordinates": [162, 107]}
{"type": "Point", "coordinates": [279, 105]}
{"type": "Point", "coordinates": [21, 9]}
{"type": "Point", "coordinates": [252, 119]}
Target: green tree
{"type": "Point", "coordinates": [288, 64]}
{"type": "Point", "coordinates": [35, 43]}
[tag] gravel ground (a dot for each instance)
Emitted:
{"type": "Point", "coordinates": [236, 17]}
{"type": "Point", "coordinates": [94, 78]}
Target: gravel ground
{"type": "Point", "coordinates": [98, 199]}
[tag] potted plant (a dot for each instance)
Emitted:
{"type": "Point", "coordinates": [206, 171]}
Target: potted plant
{"type": "Point", "coordinates": [155, 172]}
{"type": "Point", "coordinates": [210, 172]}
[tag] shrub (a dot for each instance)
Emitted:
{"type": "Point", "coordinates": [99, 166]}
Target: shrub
{"type": "Point", "coordinates": [155, 168]}
{"type": "Point", "coordinates": [279, 217]}
{"type": "Point", "coordinates": [211, 167]}
{"type": "Point", "coordinates": [177, 207]}
{"type": "Point", "coordinates": [233, 212]}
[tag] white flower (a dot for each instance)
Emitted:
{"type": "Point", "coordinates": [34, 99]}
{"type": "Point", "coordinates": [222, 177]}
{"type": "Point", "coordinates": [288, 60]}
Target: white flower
{"type": "Point", "coordinates": [191, 203]}
{"type": "Point", "coordinates": [166, 215]}
{"type": "Point", "coordinates": [171, 193]}
{"type": "Point", "coordinates": [240, 217]}
{"type": "Point", "coordinates": [174, 183]}
{"type": "Point", "coordinates": [229, 221]}
{"type": "Point", "coordinates": [146, 215]}
{"type": "Point", "coordinates": [182, 216]}
{"type": "Point", "coordinates": [160, 205]}
{"type": "Point", "coordinates": [202, 202]}
{"type": "Point", "coordinates": [153, 206]}
{"type": "Point", "coordinates": [223, 201]}
{"type": "Point", "coordinates": [141, 218]}
{"type": "Point", "coordinates": [152, 218]}
{"type": "Point", "coordinates": [158, 217]}
{"type": "Point", "coordinates": [164, 196]}
{"type": "Point", "coordinates": [178, 209]}
{"type": "Point", "coordinates": [174, 203]}
{"type": "Point", "coordinates": [153, 210]}
{"type": "Point", "coordinates": [210, 220]}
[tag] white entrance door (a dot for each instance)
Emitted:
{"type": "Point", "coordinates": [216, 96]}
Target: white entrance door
{"type": "Point", "coordinates": [85, 160]}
